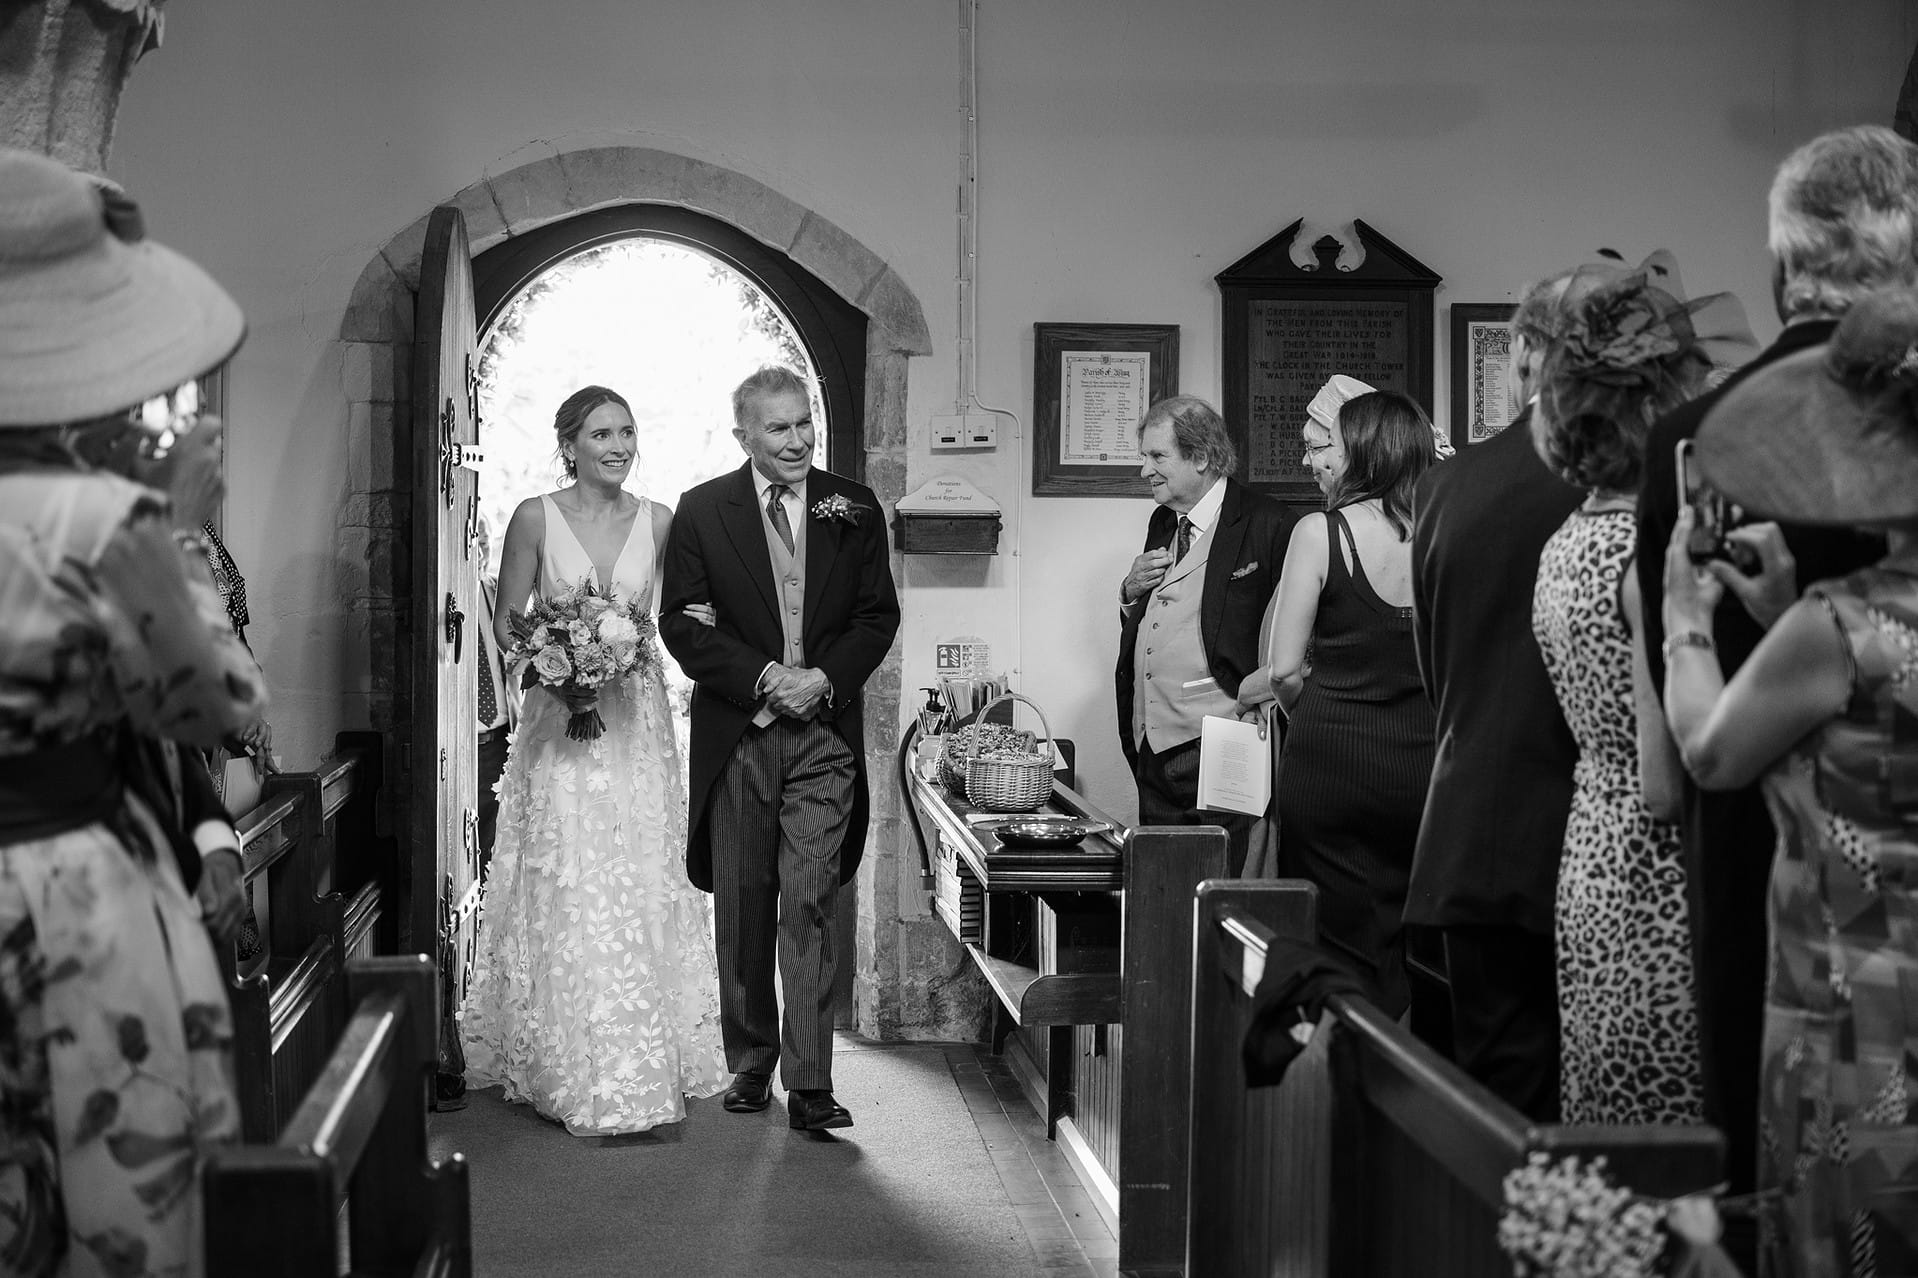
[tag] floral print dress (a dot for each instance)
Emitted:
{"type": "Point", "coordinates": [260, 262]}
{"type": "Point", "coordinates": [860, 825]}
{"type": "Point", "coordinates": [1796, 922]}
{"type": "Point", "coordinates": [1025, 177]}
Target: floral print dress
{"type": "Point", "coordinates": [115, 1039]}
{"type": "Point", "coordinates": [1837, 1132]}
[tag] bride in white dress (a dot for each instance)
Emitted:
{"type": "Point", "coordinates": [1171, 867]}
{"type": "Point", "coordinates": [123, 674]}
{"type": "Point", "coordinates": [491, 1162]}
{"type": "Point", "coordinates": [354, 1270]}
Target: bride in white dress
{"type": "Point", "coordinates": [594, 996]}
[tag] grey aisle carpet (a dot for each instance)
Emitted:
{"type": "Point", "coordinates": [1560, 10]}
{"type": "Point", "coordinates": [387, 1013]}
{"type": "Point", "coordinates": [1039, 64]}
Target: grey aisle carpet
{"type": "Point", "coordinates": [911, 1189]}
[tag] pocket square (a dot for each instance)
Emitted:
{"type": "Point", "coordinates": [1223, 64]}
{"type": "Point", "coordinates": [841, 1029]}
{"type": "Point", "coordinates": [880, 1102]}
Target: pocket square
{"type": "Point", "coordinates": [1246, 571]}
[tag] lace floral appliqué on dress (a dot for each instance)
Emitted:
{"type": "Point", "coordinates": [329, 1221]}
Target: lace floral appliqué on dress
{"type": "Point", "coordinates": [594, 995]}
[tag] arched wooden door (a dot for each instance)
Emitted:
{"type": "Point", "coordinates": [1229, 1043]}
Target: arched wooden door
{"type": "Point", "coordinates": [439, 894]}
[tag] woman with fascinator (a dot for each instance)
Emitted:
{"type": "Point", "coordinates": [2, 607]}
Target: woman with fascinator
{"type": "Point", "coordinates": [1825, 711]}
{"type": "Point", "coordinates": [115, 1039]}
{"type": "Point", "coordinates": [1631, 349]}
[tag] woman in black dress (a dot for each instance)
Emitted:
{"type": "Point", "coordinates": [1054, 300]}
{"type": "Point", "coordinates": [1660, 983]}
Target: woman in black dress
{"type": "Point", "coordinates": [1358, 753]}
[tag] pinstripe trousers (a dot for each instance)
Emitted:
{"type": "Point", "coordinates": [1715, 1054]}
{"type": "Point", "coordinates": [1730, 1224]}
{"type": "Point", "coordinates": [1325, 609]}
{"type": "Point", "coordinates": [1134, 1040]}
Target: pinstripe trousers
{"type": "Point", "coordinates": [778, 817]}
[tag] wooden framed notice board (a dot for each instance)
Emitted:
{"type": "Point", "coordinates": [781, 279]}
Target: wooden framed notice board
{"type": "Point", "coordinates": [1287, 328]}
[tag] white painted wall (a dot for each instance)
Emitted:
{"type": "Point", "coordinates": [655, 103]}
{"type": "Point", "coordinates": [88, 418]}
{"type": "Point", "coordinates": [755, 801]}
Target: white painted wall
{"type": "Point", "coordinates": [1130, 149]}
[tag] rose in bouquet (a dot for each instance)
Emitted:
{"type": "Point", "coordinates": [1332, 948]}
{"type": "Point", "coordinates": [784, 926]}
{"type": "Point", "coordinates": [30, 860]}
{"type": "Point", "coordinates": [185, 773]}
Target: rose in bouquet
{"type": "Point", "coordinates": [580, 642]}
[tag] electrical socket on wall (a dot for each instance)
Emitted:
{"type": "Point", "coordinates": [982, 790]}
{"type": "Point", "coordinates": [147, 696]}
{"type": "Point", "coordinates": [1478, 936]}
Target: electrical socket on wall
{"type": "Point", "coordinates": [954, 431]}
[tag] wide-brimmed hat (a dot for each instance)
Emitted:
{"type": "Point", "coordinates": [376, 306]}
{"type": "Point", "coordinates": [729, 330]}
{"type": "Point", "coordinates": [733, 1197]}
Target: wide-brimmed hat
{"type": "Point", "coordinates": [1828, 435]}
{"type": "Point", "coordinates": [93, 317]}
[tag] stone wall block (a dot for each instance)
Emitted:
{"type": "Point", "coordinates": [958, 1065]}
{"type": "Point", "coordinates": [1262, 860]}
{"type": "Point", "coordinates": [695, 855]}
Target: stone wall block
{"type": "Point", "coordinates": [388, 510]}
{"type": "Point", "coordinates": [752, 206]}
{"type": "Point", "coordinates": [896, 310]}
{"type": "Point", "coordinates": [605, 175]}
{"type": "Point", "coordinates": [370, 444]}
{"type": "Point", "coordinates": [532, 194]}
{"type": "Point", "coordinates": [885, 397]}
{"type": "Point", "coordinates": [941, 993]}
{"type": "Point", "coordinates": [366, 372]}
{"type": "Point", "coordinates": [842, 262]}
{"type": "Point", "coordinates": [354, 547]}
{"type": "Point", "coordinates": [373, 310]}
{"type": "Point", "coordinates": [383, 636]}
{"type": "Point", "coordinates": [402, 379]}
{"type": "Point", "coordinates": [886, 475]}
{"type": "Point", "coordinates": [485, 225]}
{"type": "Point", "coordinates": [403, 251]}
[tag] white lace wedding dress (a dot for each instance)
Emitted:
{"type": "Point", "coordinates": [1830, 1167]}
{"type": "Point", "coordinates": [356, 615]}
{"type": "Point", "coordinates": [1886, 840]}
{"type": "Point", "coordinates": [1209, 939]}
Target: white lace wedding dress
{"type": "Point", "coordinates": [594, 995]}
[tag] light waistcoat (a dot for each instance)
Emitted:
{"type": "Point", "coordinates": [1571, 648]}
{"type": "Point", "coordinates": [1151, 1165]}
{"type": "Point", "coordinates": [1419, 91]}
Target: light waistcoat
{"type": "Point", "coordinates": [789, 585]}
{"type": "Point", "coordinates": [1172, 684]}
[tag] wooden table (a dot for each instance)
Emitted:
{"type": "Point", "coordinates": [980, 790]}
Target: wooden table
{"type": "Point", "coordinates": [1088, 951]}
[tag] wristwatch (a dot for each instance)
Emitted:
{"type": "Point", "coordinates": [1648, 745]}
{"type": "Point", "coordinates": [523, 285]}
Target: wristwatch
{"type": "Point", "coordinates": [1686, 639]}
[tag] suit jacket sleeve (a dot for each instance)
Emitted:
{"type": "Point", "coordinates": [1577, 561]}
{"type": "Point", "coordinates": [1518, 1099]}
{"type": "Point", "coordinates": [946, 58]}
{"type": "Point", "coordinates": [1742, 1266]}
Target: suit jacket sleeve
{"type": "Point", "coordinates": [711, 656]}
{"type": "Point", "coordinates": [1657, 514]}
{"type": "Point", "coordinates": [851, 655]}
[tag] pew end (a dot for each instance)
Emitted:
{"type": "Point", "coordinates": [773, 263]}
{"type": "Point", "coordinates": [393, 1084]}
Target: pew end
{"type": "Point", "coordinates": [1375, 1156]}
{"type": "Point", "coordinates": [358, 1140]}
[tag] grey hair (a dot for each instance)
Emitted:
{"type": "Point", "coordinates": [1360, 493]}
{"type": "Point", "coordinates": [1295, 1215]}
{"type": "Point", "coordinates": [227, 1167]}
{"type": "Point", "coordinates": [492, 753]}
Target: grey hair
{"type": "Point", "coordinates": [1541, 309]}
{"type": "Point", "coordinates": [1196, 428]}
{"type": "Point", "coordinates": [767, 379]}
{"type": "Point", "coordinates": [1844, 219]}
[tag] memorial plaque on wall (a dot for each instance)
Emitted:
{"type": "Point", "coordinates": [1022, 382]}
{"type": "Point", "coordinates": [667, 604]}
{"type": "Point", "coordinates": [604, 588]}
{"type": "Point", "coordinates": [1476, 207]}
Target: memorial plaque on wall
{"type": "Point", "coordinates": [1288, 328]}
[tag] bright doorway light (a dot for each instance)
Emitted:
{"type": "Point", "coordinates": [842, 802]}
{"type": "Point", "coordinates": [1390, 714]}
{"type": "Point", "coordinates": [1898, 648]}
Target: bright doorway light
{"type": "Point", "coordinates": [668, 327]}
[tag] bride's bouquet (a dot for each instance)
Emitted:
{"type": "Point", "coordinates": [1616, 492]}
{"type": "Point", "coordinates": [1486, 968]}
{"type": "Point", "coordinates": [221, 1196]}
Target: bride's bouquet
{"type": "Point", "coordinates": [579, 642]}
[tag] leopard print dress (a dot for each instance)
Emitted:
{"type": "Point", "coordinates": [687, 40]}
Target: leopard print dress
{"type": "Point", "coordinates": [1628, 1024]}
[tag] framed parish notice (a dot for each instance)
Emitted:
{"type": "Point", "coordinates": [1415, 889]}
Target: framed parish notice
{"type": "Point", "coordinates": [1091, 385]}
{"type": "Point", "coordinates": [1481, 345]}
{"type": "Point", "coordinates": [1287, 328]}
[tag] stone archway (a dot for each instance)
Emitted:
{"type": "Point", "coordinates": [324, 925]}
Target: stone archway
{"type": "Point", "coordinates": [376, 337]}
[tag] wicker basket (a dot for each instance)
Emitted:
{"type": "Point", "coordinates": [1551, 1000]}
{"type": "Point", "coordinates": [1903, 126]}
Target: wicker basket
{"type": "Point", "coordinates": [1010, 785]}
{"type": "Point", "coordinates": [976, 735]}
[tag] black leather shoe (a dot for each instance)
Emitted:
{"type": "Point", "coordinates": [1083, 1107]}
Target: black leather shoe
{"type": "Point", "coordinates": [810, 1111]}
{"type": "Point", "coordinates": [749, 1093]}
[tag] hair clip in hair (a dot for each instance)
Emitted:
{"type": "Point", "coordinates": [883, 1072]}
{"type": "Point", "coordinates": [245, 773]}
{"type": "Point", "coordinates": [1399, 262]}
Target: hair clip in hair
{"type": "Point", "coordinates": [1906, 369]}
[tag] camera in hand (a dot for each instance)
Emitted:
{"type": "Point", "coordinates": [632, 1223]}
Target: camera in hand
{"type": "Point", "coordinates": [1712, 517]}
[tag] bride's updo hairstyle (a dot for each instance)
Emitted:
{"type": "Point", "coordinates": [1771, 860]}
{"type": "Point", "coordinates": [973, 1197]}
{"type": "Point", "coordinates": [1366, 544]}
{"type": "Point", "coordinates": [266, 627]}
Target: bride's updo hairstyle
{"type": "Point", "coordinates": [572, 415]}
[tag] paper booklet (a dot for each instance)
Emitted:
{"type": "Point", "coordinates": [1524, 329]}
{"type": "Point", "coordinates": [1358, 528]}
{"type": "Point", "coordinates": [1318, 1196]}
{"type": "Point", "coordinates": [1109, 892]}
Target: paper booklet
{"type": "Point", "coordinates": [1235, 765]}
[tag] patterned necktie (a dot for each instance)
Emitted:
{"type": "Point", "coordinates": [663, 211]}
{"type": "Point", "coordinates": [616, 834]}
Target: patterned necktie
{"type": "Point", "coordinates": [1185, 538]}
{"type": "Point", "coordinates": [488, 696]}
{"type": "Point", "coordinates": [776, 511]}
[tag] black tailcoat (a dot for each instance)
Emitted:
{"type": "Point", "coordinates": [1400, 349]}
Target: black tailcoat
{"type": "Point", "coordinates": [1494, 821]}
{"type": "Point", "coordinates": [716, 553]}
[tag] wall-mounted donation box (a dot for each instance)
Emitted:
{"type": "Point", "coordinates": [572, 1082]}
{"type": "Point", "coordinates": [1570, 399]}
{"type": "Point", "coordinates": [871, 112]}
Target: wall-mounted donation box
{"type": "Point", "coordinates": [947, 516]}
{"type": "Point", "coordinates": [1287, 328]}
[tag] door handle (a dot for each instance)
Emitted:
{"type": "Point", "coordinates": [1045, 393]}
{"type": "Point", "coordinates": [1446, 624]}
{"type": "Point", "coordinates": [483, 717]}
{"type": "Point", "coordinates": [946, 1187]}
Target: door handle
{"type": "Point", "coordinates": [455, 625]}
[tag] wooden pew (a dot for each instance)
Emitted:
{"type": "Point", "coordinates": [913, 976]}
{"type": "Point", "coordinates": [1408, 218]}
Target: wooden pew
{"type": "Point", "coordinates": [1377, 1156]}
{"type": "Point", "coordinates": [310, 845]}
{"type": "Point", "coordinates": [358, 1139]}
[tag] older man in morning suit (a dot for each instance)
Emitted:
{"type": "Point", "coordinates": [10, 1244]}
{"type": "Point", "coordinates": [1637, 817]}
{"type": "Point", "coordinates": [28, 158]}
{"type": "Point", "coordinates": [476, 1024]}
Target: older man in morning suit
{"type": "Point", "coordinates": [1485, 872]}
{"type": "Point", "coordinates": [1190, 609]}
{"type": "Point", "coordinates": [1844, 221]}
{"type": "Point", "coordinates": [793, 561]}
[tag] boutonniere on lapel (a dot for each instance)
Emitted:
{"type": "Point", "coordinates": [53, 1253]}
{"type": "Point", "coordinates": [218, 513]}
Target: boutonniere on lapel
{"type": "Point", "coordinates": [1246, 571]}
{"type": "Point", "coordinates": [836, 509]}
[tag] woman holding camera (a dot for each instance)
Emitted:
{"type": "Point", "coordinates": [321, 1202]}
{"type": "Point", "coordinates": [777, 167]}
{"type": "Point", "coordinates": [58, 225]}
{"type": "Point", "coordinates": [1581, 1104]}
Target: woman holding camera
{"type": "Point", "coordinates": [1826, 712]}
